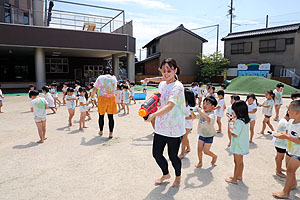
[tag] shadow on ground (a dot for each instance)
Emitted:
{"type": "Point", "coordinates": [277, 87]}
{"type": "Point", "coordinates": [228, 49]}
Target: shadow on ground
{"type": "Point", "coordinates": [25, 146]}
{"type": "Point", "coordinates": [157, 192]}
{"type": "Point", "coordinates": [204, 177]}
{"type": "Point", "coordinates": [94, 141]}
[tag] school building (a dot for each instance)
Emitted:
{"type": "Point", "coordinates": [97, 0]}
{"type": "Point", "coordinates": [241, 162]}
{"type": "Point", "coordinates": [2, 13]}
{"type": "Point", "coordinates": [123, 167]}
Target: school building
{"type": "Point", "coordinates": [275, 50]}
{"type": "Point", "coordinates": [42, 41]}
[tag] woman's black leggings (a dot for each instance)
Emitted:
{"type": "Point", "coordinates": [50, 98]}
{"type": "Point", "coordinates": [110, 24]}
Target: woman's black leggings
{"type": "Point", "coordinates": [111, 122]}
{"type": "Point", "coordinates": [159, 143]}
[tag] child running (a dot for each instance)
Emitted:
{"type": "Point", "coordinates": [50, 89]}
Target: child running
{"type": "Point", "coordinates": [38, 107]}
{"type": "Point", "coordinates": [239, 140]}
{"type": "Point", "coordinates": [278, 99]}
{"type": "Point", "coordinates": [252, 108]}
{"type": "Point", "coordinates": [267, 110]}
{"type": "Point", "coordinates": [190, 102]}
{"type": "Point", "coordinates": [49, 99]}
{"type": "Point", "coordinates": [71, 98]}
{"type": "Point", "coordinates": [221, 107]}
{"type": "Point", "coordinates": [281, 145]}
{"type": "Point", "coordinates": [293, 150]}
{"type": "Point", "coordinates": [1, 99]}
{"type": "Point", "coordinates": [82, 104]}
{"type": "Point", "coordinates": [231, 116]}
{"type": "Point", "coordinates": [206, 129]}
{"type": "Point", "coordinates": [126, 99]}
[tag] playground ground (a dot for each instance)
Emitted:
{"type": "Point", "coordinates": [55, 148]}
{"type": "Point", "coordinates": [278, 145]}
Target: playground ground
{"type": "Point", "coordinates": [81, 165]}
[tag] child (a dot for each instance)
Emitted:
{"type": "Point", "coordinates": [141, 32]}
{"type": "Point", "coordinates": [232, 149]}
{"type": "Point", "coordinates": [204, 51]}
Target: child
{"type": "Point", "coordinates": [119, 98]}
{"type": "Point", "coordinates": [221, 107]}
{"type": "Point", "coordinates": [281, 145]}
{"type": "Point", "coordinates": [76, 90]}
{"type": "Point", "coordinates": [239, 140]}
{"type": "Point", "coordinates": [278, 99]}
{"type": "Point", "coordinates": [206, 129]}
{"type": "Point", "coordinates": [82, 107]}
{"type": "Point", "coordinates": [223, 87]}
{"type": "Point", "coordinates": [144, 86]}
{"type": "Point", "coordinates": [49, 99]}
{"type": "Point", "coordinates": [252, 108]}
{"type": "Point", "coordinates": [53, 91]}
{"type": "Point", "coordinates": [194, 90]}
{"type": "Point", "coordinates": [190, 102]}
{"type": "Point", "coordinates": [132, 93]}
{"type": "Point", "coordinates": [71, 98]}
{"type": "Point", "coordinates": [211, 91]}
{"type": "Point", "coordinates": [87, 107]}
{"type": "Point", "coordinates": [267, 110]}
{"type": "Point", "coordinates": [38, 107]}
{"type": "Point", "coordinates": [230, 115]}
{"type": "Point", "coordinates": [125, 99]}
{"type": "Point", "coordinates": [295, 95]}
{"type": "Point", "coordinates": [30, 87]}
{"type": "Point", "coordinates": [293, 150]}
{"type": "Point", "coordinates": [64, 90]}
{"type": "Point", "coordinates": [94, 99]}
{"type": "Point", "coordinates": [1, 99]}
{"type": "Point", "coordinates": [200, 93]}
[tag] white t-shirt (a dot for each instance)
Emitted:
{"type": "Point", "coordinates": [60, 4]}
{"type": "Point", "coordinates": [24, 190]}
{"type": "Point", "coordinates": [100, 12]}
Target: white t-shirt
{"type": "Point", "coordinates": [132, 90]}
{"type": "Point", "coordinates": [82, 99]}
{"type": "Point", "coordinates": [53, 92]}
{"type": "Point", "coordinates": [172, 123]}
{"type": "Point", "coordinates": [39, 107]}
{"type": "Point", "coordinates": [76, 89]}
{"type": "Point", "coordinates": [206, 129]}
{"type": "Point", "coordinates": [220, 111]}
{"type": "Point", "coordinates": [252, 107]}
{"type": "Point", "coordinates": [268, 111]}
{"type": "Point", "coordinates": [293, 131]}
{"type": "Point", "coordinates": [71, 103]}
{"type": "Point", "coordinates": [282, 127]}
{"type": "Point", "coordinates": [188, 122]}
{"type": "Point", "coordinates": [278, 97]}
{"type": "Point", "coordinates": [49, 99]}
{"type": "Point", "coordinates": [119, 96]}
{"type": "Point", "coordinates": [1, 94]}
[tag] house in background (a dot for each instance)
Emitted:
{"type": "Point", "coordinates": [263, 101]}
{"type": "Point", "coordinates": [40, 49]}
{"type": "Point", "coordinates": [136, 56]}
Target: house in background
{"type": "Point", "coordinates": [42, 41]}
{"type": "Point", "coordinates": [181, 44]}
{"type": "Point", "coordinates": [278, 46]}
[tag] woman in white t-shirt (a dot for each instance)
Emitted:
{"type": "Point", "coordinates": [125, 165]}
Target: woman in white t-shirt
{"type": "Point", "coordinates": [252, 108]}
{"type": "Point", "coordinates": [169, 121]}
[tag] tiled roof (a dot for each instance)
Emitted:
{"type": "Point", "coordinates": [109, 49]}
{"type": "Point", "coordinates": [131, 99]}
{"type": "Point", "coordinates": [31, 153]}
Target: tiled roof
{"type": "Point", "coordinates": [150, 58]}
{"type": "Point", "coordinates": [181, 27]}
{"type": "Point", "coordinates": [264, 31]}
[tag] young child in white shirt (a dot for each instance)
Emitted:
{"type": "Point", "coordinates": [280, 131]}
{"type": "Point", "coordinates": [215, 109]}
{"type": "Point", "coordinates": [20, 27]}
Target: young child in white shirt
{"type": "Point", "coordinates": [38, 107]}
{"type": "Point", "coordinates": [252, 109]}
{"type": "Point", "coordinates": [278, 99]}
{"type": "Point", "coordinates": [53, 91]}
{"type": "Point", "coordinates": [231, 116]}
{"type": "Point", "coordinates": [64, 90]}
{"type": "Point", "coordinates": [267, 110]}
{"type": "Point", "coordinates": [83, 107]}
{"type": "Point", "coordinates": [119, 95]}
{"type": "Point", "coordinates": [71, 98]}
{"type": "Point", "coordinates": [126, 99]}
{"type": "Point", "coordinates": [132, 93]}
{"type": "Point", "coordinates": [221, 107]}
{"type": "Point", "coordinates": [200, 93]}
{"type": "Point", "coordinates": [49, 99]}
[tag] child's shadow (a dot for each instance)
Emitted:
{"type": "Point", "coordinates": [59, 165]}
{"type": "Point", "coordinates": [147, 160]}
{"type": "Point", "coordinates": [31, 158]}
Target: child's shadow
{"type": "Point", "coordinates": [204, 176]}
{"type": "Point", "coordinates": [29, 145]}
{"type": "Point", "coordinates": [157, 192]}
{"type": "Point", "coordinates": [252, 145]}
{"type": "Point", "coordinates": [94, 141]}
{"type": "Point", "coordinates": [186, 163]}
{"type": "Point", "coordinates": [265, 136]}
{"type": "Point", "coordinates": [25, 112]}
{"type": "Point", "coordinates": [75, 131]}
{"type": "Point", "coordinates": [228, 151]}
{"type": "Point", "coordinates": [219, 135]}
{"type": "Point", "coordinates": [65, 128]}
{"type": "Point", "coordinates": [147, 138]}
{"type": "Point", "coordinates": [238, 192]}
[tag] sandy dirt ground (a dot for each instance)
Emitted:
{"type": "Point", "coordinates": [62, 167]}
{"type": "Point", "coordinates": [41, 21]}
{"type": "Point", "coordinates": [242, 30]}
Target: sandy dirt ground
{"type": "Point", "coordinates": [82, 165]}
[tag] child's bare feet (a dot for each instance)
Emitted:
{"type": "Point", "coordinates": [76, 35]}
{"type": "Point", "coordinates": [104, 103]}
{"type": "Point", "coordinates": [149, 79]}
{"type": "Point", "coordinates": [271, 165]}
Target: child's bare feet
{"type": "Point", "coordinates": [181, 156]}
{"type": "Point", "coordinates": [214, 160]}
{"type": "Point", "coordinates": [238, 178]}
{"type": "Point", "coordinates": [283, 170]}
{"type": "Point", "coordinates": [280, 174]}
{"type": "Point", "coordinates": [162, 179]}
{"type": "Point", "coordinates": [81, 129]}
{"type": "Point", "coordinates": [280, 195]}
{"type": "Point", "coordinates": [250, 141]}
{"type": "Point", "coordinates": [230, 180]}
{"type": "Point", "coordinates": [228, 145]}
{"type": "Point", "coordinates": [45, 138]}
{"type": "Point", "coordinates": [198, 165]}
{"type": "Point", "coordinates": [176, 182]}
{"type": "Point", "coordinates": [40, 141]}
{"type": "Point", "coordinates": [85, 127]}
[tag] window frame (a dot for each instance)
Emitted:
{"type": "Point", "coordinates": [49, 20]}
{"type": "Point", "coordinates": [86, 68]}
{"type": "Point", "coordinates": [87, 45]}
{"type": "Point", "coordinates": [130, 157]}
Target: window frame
{"type": "Point", "coordinates": [240, 50]}
{"type": "Point", "coordinates": [51, 64]}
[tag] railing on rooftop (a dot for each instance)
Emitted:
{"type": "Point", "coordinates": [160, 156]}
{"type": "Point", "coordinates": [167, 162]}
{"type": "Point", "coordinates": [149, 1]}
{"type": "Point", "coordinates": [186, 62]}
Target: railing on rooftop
{"type": "Point", "coordinates": [103, 18]}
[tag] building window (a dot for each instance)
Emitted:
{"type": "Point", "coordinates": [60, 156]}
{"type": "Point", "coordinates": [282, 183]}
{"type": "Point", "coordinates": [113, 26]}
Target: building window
{"type": "Point", "coordinates": [154, 49]}
{"type": "Point", "coordinates": [7, 13]}
{"type": "Point", "coordinates": [289, 41]}
{"type": "Point", "coordinates": [26, 18]}
{"type": "Point", "coordinates": [272, 45]}
{"type": "Point", "coordinates": [241, 48]}
{"type": "Point", "coordinates": [148, 51]}
{"type": "Point", "coordinates": [57, 65]}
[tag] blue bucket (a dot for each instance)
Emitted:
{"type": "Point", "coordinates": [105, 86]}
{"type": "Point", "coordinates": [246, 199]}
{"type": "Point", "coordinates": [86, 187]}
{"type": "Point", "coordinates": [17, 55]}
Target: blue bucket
{"type": "Point", "coordinates": [140, 96]}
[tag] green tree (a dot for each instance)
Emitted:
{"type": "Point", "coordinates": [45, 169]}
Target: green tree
{"type": "Point", "coordinates": [211, 65]}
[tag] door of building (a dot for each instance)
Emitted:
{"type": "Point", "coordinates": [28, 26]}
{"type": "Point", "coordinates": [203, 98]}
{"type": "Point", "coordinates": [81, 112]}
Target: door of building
{"type": "Point", "coordinates": [91, 72]}
{"type": "Point", "coordinates": [78, 74]}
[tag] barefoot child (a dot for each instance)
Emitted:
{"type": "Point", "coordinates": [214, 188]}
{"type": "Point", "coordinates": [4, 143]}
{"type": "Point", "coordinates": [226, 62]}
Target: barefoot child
{"type": "Point", "coordinates": [252, 108]}
{"type": "Point", "coordinates": [71, 98]}
{"type": "Point", "coordinates": [76, 90]}
{"type": "Point", "coordinates": [82, 107]}
{"type": "Point", "coordinates": [293, 150]}
{"type": "Point", "coordinates": [239, 140]}
{"type": "Point", "coordinates": [230, 115]}
{"type": "Point", "coordinates": [132, 93]}
{"type": "Point", "coordinates": [49, 99]}
{"type": "Point", "coordinates": [126, 99]}
{"type": "Point", "coordinates": [94, 99]}
{"type": "Point", "coordinates": [206, 129]}
{"type": "Point", "coordinates": [64, 90]}
{"type": "Point", "coordinates": [169, 121]}
{"type": "Point", "coordinates": [38, 107]}
{"type": "Point", "coordinates": [53, 91]}
{"type": "Point", "coordinates": [267, 110]}
{"type": "Point", "coordinates": [278, 99]}
{"type": "Point", "coordinates": [1, 99]}
{"type": "Point", "coordinates": [200, 93]}
{"type": "Point", "coordinates": [119, 98]}
{"type": "Point", "coordinates": [190, 102]}
{"type": "Point", "coordinates": [281, 145]}
{"type": "Point", "coordinates": [221, 107]}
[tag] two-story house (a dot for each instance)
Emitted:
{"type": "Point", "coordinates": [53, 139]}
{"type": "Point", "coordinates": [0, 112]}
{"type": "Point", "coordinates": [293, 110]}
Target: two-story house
{"type": "Point", "coordinates": [181, 44]}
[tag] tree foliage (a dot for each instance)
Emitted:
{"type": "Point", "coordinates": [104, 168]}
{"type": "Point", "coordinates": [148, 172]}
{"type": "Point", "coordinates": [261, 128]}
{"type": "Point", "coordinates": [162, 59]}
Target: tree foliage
{"type": "Point", "coordinates": [211, 65]}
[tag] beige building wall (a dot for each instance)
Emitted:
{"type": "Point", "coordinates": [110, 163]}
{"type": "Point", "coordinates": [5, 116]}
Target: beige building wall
{"type": "Point", "coordinates": [184, 48]}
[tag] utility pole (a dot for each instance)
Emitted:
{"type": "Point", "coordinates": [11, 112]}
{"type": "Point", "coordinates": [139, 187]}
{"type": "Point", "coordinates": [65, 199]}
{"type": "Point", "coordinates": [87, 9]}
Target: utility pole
{"type": "Point", "coordinates": [231, 15]}
{"type": "Point", "coordinates": [217, 48]}
{"type": "Point", "coordinates": [267, 21]}
{"type": "Point", "coordinates": [140, 54]}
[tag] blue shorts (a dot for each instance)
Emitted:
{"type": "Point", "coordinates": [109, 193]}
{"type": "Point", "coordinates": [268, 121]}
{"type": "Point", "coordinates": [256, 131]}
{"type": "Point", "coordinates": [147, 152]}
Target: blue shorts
{"type": "Point", "coordinates": [293, 156]}
{"type": "Point", "coordinates": [208, 140]}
